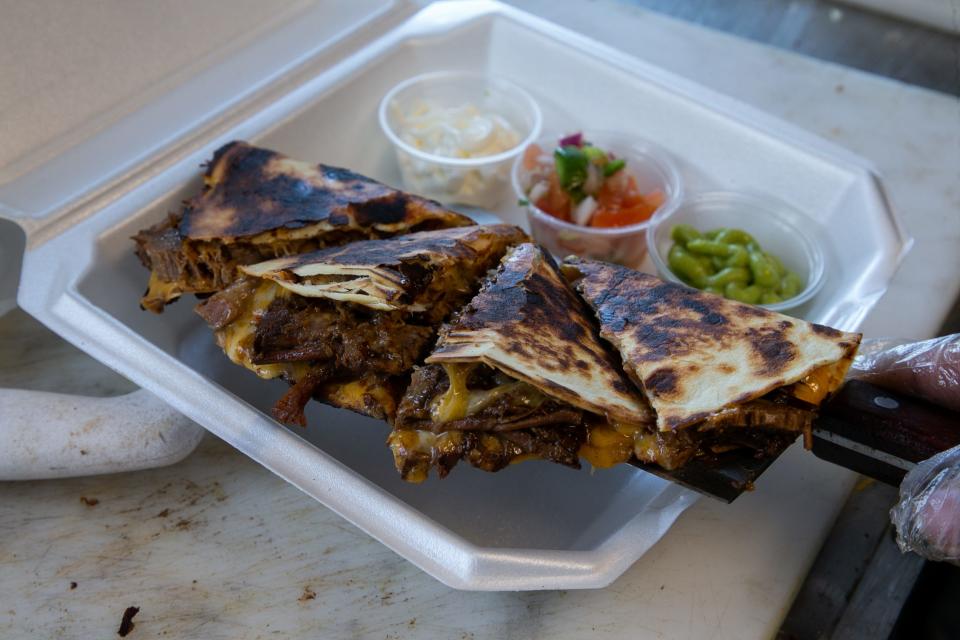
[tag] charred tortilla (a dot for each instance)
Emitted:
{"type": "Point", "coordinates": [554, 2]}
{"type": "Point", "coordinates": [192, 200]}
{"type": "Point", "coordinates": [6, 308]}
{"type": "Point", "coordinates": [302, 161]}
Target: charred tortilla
{"type": "Point", "coordinates": [719, 374]}
{"type": "Point", "coordinates": [346, 325]}
{"type": "Point", "coordinates": [258, 204]}
{"type": "Point", "coordinates": [519, 373]}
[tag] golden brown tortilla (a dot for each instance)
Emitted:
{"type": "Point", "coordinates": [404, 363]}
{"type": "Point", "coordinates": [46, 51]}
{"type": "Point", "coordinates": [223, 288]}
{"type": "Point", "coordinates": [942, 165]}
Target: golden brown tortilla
{"type": "Point", "coordinates": [528, 323]}
{"type": "Point", "coordinates": [255, 191]}
{"type": "Point", "coordinates": [694, 353]}
{"type": "Point", "coordinates": [393, 273]}
{"type": "Point", "coordinates": [258, 204]}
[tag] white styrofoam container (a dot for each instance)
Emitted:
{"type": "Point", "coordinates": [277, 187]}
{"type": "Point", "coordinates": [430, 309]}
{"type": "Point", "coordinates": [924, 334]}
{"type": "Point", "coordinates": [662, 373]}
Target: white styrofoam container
{"type": "Point", "coordinates": [532, 526]}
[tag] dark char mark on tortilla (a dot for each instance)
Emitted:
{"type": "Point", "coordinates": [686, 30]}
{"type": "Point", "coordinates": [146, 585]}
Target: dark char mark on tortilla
{"type": "Point", "coordinates": [664, 382]}
{"type": "Point", "coordinates": [404, 249]}
{"type": "Point", "coordinates": [531, 310]}
{"type": "Point", "coordinates": [290, 201]}
{"type": "Point", "coordinates": [771, 348]}
{"type": "Point", "coordinates": [827, 332]}
{"type": "Point", "coordinates": [624, 302]}
{"type": "Point", "coordinates": [684, 319]}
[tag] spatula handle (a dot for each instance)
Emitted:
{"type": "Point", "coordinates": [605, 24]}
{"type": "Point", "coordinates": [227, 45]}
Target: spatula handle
{"type": "Point", "coordinates": [882, 434]}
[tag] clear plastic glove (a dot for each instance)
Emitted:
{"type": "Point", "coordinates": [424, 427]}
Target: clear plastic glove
{"type": "Point", "coordinates": [927, 517]}
{"type": "Point", "coordinates": [929, 369]}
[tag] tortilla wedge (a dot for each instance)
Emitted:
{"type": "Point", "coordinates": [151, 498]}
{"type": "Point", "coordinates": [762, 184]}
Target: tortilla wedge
{"type": "Point", "coordinates": [519, 373]}
{"type": "Point", "coordinates": [696, 355]}
{"type": "Point", "coordinates": [258, 204]}
{"type": "Point", "coordinates": [529, 324]}
{"type": "Point", "coordinates": [407, 272]}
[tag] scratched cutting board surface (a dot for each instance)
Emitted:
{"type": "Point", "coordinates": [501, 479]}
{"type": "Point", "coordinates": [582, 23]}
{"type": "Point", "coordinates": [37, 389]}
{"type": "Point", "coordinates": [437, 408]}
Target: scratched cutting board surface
{"type": "Point", "coordinates": [269, 562]}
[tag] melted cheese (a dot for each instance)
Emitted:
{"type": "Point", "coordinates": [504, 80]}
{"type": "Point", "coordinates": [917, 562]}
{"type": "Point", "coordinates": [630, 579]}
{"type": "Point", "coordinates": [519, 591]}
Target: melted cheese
{"type": "Point", "coordinates": [421, 448]}
{"type": "Point", "coordinates": [162, 290]}
{"type": "Point", "coordinates": [820, 382]}
{"type": "Point", "coordinates": [236, 339]}
{"type": "Point", "coordinates": [606, 447]}
{"type": "Point", "coordinates": [351, 394]}
{"type": "Point", "coordinates": [455, 401]}
{"type": "Point", "coordinates": [608, 443]}
{"type": "Point", "coordinates": [357, 395]}
{"type": "Point", "coordinates": [459, 402]}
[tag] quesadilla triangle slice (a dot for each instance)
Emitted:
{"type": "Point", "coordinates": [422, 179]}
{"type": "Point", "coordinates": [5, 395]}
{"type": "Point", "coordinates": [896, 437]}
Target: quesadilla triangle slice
{"type": "Point", "coordinates": [519, 373]}
{"type": "Point", "coordinates": [720, 374]}
{"type": "Point", "coordinates": [346, 325]}
{"type": "Point", "coordinates": [257, 204]}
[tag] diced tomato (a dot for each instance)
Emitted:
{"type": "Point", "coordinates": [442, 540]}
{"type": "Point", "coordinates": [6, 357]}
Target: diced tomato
{"type": "Point", "coordinates": [620, 217]}
{"type": "Point", "coordinates": [655, 198]}
{"type": "Point", "coordinates": [531, 157]}
{"type": "Point", "coordinates": [555, 202]}
{"type": "Point", "coordinates": [620, 203]}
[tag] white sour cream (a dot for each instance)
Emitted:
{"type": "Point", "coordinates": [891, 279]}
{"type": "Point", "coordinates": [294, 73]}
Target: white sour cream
{"type": "Point", "coordinates": [461, 132]}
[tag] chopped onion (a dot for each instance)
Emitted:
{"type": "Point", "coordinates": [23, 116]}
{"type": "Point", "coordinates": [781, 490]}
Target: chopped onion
{"type": "Point", "coordinates": [594, 179]}
{"type": "Point", "coordinates": [538, 191]}
{"type": "Point", "coordinates": [584, 211]}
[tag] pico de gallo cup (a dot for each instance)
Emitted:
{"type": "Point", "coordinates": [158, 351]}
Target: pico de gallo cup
{"type": "Point", "coordinates": [654, 173]}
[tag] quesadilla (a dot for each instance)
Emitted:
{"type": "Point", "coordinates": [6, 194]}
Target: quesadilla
{"type": "Point", "coordinates": [346, 325]}
{"type": "Point", "coordinates": [519, 373]}
{"type": "Point", "coordinates": [720, 374]}
{"type": "Point", "coordinates": [258, 204]}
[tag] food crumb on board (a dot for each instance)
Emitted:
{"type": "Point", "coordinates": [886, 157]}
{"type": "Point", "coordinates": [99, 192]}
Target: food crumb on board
{"type": "Point", "coordinates": [90, 502]}
{"type": "Point", "coordinates": [126, 623]}
{"type": "Point", "coordinates": [308, 594]}
{"type": "Point", "coordinates": [73, 585]}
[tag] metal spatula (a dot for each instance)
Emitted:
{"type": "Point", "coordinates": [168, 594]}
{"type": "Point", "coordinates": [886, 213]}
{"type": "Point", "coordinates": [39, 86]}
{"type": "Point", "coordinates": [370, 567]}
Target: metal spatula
{"type": "Point", "coordinates": [863, 428]}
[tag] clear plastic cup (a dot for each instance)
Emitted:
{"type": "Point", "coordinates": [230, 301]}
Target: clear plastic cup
{"type": "Point", "coordinates": [779, 228]}
{"type": "Point", "coordinates": [654, 171]}
{"type": "Point", "coordinates": [479, 181]}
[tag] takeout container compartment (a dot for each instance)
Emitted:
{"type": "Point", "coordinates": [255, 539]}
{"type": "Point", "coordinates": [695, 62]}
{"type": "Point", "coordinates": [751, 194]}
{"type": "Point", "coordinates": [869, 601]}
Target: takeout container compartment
{"type": "Point", "coordinates": [654, 171]}
{"type": "Point", "coordinates": [481, 181]}
{"type": "Point", "coordinates": [531, 526]}
{"type": "Point", "coordinates": [780, 229]}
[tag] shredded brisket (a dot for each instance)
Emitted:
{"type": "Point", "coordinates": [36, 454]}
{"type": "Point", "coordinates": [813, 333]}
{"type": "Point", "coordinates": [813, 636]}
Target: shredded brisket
{"type": "Point", "coordinates": [508, 428]}
{"type": "Point", "coordinates": [220, 310]}
{"type": "Point", "coordinates": [491, 451]}
{"type": "Point", "coordinates": [289, 408]}
{"type": "Point", "coordinates": [298, 329]}
{"type": "Point", "coordinates": [185, 265]}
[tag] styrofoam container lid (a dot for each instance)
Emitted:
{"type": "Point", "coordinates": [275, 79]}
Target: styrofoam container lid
{"type": "Point", "coordinates": [106, 146]}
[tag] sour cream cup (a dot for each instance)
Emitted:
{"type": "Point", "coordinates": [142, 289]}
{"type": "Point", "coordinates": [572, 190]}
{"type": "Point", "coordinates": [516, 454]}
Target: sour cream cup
{"type": "Point", "coordinates": [457, 175]}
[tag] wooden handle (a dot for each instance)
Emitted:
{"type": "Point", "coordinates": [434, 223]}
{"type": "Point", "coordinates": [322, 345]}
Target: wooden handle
{"type": "Point", "coordinates": [882, 434]}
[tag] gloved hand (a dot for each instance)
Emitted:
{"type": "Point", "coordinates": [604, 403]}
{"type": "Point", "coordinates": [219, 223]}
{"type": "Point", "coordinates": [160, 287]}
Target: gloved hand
{"type": "Point", "coordinates": [927, 517]}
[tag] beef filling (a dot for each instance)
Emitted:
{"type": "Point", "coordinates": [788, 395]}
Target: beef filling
{"type": "Point", "coordinates": [511, 427]}
{"type": "Point", "coordinates": [181, 265]}
{"type": "Point", "coordinates": [298, 329]}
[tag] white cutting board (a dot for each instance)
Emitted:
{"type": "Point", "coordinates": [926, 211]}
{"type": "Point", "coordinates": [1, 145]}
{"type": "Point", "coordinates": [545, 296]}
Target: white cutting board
{"type": "Point", "coordinates": [258, 553]}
